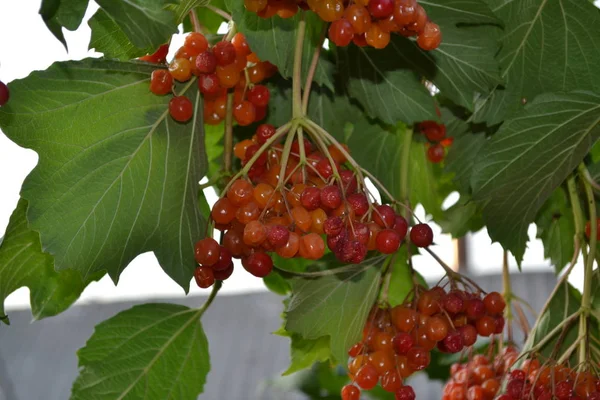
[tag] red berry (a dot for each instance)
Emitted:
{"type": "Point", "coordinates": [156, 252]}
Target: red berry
{"type": "Point", "coordinates": [278, 235]}
{"type": "Point", "coordinates": [402, 343]}
{"type": "Point", "coordinates": [181, 108]}
{"type": "Point", "coordinates": [331, 197]}
{"type": "Point", "coordinates": [494, 303]}
{"type": "Point", "coordinates": [161, 83]}
{"type": "Point", "coordinates": [196, 43]}
{"type": "Point", "coordinates": [400, 226]}
{"type": "Point", "coordinates": [353, 252]}
{"type": "Point", "coordinates": [258, 264]}
{"type": "Point", "coordinates": [388, 241]}
{"type": "Point", "coordinates": [381, 8]}
{"type": "Point", "coordinates": [367, 377]}
{"type": "Point", "coordinates": [207, 252]}
{"type": "Point", "coordinates": [453, 342]}
{"type": "Point", "coordinates": [311, 198]}
{"type": "Point", "coordinates": [333, 226]}
{"type": "Point", "coordinates": [453, 303]}
{"type": "Point", "coordinates": [431, 36]}
{"type": "Point", "coordinates": [418, 358]}
{"type": "Point", "coordinates": [259, 95]}
{"type": "Point", "coordinates": [350, 392]}
{"type": "Point", "coordinates": [436, 153]}
{"type": "Point", "coordinates": [224, 53]}
{"type": "Point", "coordinates": [206, 63]}
{"type": "Point", "coordinates": [421, 235]}
{"type": "Point", "coordinates": [341, 32]}
{"type": "Point", "coordinates": [204, 277]}
{"type": "Point", "coordinates": [349, 182]}
{"type": "Point", "coordinates": [384, 216]}
{"type": "Point", "coordinates": [296, 147]}
{"type": "Point", "coordinates": [224, 260]}
{"type": "Point", "coordinates": [469, 334]}
{"type": "Point", "coordinates": [405, 393]}
{"type": "Point", "coordinates": [359, 203]}
{"type": "Point", "coordinates": [264, 132]}
{"type": "Point", "coordinates": [159, 56]}
{"type": "Point", "coordinates": [251, 151]}
{"type": "Point", "coordinates": [244, 113]}
{"type": "Point", "coordinates": [224, 274]}
{"type": "Point", "coordinates": [475, 309]}
{"type": "Point", "coordinates": [209, 84]}
{"type": "Point", "coordinates": [325, 169]}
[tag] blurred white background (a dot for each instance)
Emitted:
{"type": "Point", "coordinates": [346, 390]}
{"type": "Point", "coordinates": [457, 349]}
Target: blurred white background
{"type": "Point", "coordinates": [26, 45]}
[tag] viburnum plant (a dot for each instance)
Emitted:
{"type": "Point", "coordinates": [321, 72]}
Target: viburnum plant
{"type": "Point", "coordinates": [289, 115]}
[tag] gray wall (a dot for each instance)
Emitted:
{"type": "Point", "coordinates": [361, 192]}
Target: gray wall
{"type": "Point", "coordinates": [38, 360]}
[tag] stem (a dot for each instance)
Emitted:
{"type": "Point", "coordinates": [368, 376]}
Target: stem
{"type": "Point", "coordinates": [211, 297]}
{"type": "Point", "coordinates": [586, 298]}
{"type": "Point", "coordinates": [228, 141]}
{"type": "Point", "coordinates": [195, 21]}
{"type": "Point", "coordinates": [297, 78]}
{"type": "Point", "coordinates": [311, 71]}
{"type": "Point", "coordinates": [405, 160]}
{"type": "Point", "coordinates": [507, 294]}
{"type": "Point", "coordinates": [219, 12]}
{"type": "Point", "coordinates": [285, 155]}
{"type": "Point", "coordinates": [562, 325]}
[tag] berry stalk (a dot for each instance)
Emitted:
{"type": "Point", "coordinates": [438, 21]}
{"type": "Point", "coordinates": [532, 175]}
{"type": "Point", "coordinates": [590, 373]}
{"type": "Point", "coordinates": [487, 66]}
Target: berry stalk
{"type": "Point", "coordinates": [507, 294]}
{"type": "Point", "coordinates": [405, 160]}
{"type": "Point", "coordinates": [311, 72]}
{"type": "Point", "coordinates": [228, 140]}
{"type": "Point", "coordinates": [297, 77]}
{"type": "Point", "coordinates": [213, 294]}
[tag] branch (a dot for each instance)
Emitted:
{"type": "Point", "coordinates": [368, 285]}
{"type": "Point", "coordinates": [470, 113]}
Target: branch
{"type": "Point", "coordinates": [297, 78]}
{"type": "Point", "coordinates": [312, 70]}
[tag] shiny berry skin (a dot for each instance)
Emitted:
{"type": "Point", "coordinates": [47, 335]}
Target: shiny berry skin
{"type": "Point", "coordinates": [206, 62]}
{"type": "Point", "coordinates": [333, 226]}
{"type": "Point", "coordinates": [244, 113]}
{"type": "Point", "coordinates": [224, 262]}
{"type": "Point", "coordinates": [209, 84]}
{"type": "Point", "coordinates": [402, 343]}
{"type": "Point", "coordinates": [224, 53]}
{"type": "Point", "coordinates": [384, 216]}
{"type": "Point", "coordinates": [359, 18]}
{"type": "Point", "coordinates": [341, 32]}
{"type": "Point", "coordinates": [204, 277]}
{"type": "Point", "coordinates": [181, 108]}
{"type": "Point", "coordinates": [195, 43]}
{"type": "Point", "coordinates": [311, 198]}
{"type": "Point", "coordinates": [258, 264]}
{"type": "Point", "coordinates": [158, 57]}
{"type": "Point", "coordinates": [485, 326]}
{"type": "Point", "coordinates": [207, 252]}
{"type": "Point", "coordinates": [161, 83]}
{"type": "Point", "coordinates": [377, 37]}
{"type": "Point", "coordinates": [418, 358]}
{"type": "Point", "coordinates": [181, 69]}
{"type": "Point", "coordinates": [405, 393]}
{"type": "Point", "coordinates": [453, 303]}
{"type": "Point", "coordinates": [259, 95]}
{"type": "Point", "coordinates": [331, 197]}
{"type": "Point", "coordinates": [421, 235]}
{"type": "Point", "coordinates": [514, 388]}
{"type": "Point", "coordinates": [367, 377]}
{"type": "Point", "coordinates": [494, 303]}
{"type": "Point", "coordinates": [381, 8]}
{"type": "Point", "coordinates": [391, 381]}
{"type": "Point", "coordinates": [475, 309]}
{"type": "Point", "coordinates": [278, 235]}
{"type": "Point", "coordinates": [223, 274]}
{"type": "Point", "coordinates": [359, 203]}
{"type": "Point", "coordinates": [388, 241]}
{"type": "Point", "coordinates": [431, 36]}
{"type": "Point", "coordinates": [400, 226]}
{"type": "Point", "coordinates": [469, 334]}
{"type": "Point", "coordinates": [453, 342]}
{"type": "Point", "coordinates": [436, 153]}
{"type": "Point", "coordinates": [264, 132]}
{"type": "Point", "coordinates": [350, 392]}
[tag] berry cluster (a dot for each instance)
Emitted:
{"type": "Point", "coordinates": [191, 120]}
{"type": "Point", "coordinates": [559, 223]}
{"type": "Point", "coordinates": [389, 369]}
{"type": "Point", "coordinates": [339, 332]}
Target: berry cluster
{"type": "Point", "coordinates": [287, 209]}
{"type": "Point", "coordinates": [480, 378]}
{"type": "Point", "coordinates": [214, 262]}
{"type": "Point", "coordinates": [534, 381]}
{"type": "Point", "coordinates": [4, 94]}
{"type": "Point", "coordinates": [364, 22]}
{"type": "Point", "coordinates": [397, 342]}
{"type": "Point", "coordinates": [436, 135]}
{"type": "Point", "coordinates": [222, 67]}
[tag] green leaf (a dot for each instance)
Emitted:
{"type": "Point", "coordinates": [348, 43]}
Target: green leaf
{"type": "Point", "coordinates": [305, 352]}
{"type": "Point", "coordinates": [556, 228]}
{"type": "Point", "coordinates": [462, 218]}
{"type": "Point", "coordinates": [563, 304]}
{"type": "Point", "coordinates": [461, 159]}
{"type": "Point", "coordinates": [569, 30]}
{"type": "Point", "coordinates": [116, 176]}
{"type": "Point", "coordinates": [22, 263]}
{"type": "Point", "coordinates": [208, 18]}
{"type": "Point", "coordinates": [213, 143]}
{"type": "Point", "coordinates": [147, 23]}
{"type": "Point", "coordinates": [528, 158]}
{"type": "Point", "coordinates": [277, 283]}
{"type": "Point", "coordinates": [274, 40]}
{"type": "Point", "coordinates": [401, 281]}
{"type": "Point", "coordinates": [183, 8]}
{"type": "Point", "coordinates": [335, 306]}
{"type": "Point", "coordinates": [108, 38]}
{"type": "Point", "coordinates": [63, 13]}
{"type": "Point", "coordinates": [460, 11]}
{"type": "Point", "coordinates": [156, 351]}
{"type": "Point", "coordinates": [387, 89]}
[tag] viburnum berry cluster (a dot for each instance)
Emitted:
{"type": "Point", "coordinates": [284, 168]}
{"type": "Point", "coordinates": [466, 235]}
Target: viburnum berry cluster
{"type": "Point", "coordinates": [364, 22]}
{"type": "Point", "coordinates": [226, 66]}
{"type": "Point", "coordinates": [4, 94]}
{"type": "Point", "coordinates": [437, 140]}
{"type": "Point", "coordinates": [397, 342]}
{"type": "Point", "coordinates": [547, 382]}
{"type": "Point", "coordinates": [481, 377]}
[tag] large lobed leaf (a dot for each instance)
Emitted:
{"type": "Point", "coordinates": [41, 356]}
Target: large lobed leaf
{"type": "Point", "coordinates": [22, 263]}
{"type": "Point", "coordinates": [548, 46]}
{"type": "Point", "coordinates": [274, 39]}
{"type": "Point", "coordinates": [528, 158]}
{"type": "Point", "coordinates": [62, 13]}
{"type": "Point", "coordinates": [151, 351]}
{"type": "Point", "coordinates": [334, 306]}
{"type": "Point", "coordinates": [116, 175]}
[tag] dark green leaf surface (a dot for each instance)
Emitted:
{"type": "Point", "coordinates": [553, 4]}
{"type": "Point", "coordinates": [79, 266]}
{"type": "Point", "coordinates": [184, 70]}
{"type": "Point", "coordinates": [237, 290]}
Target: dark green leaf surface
{"type": "Point", "coordinates": [528, 158]}
{"type": "Point", "coordinates": [152, 351]}
{"type": "Point", "coordinates": [334, 306]}
{"type": "Point", "coordinates": [22, 263]}
{"type": "Point", "coordinates": [462, 218]}
{"type": "Point", "coordinates": [556, 228]}
{"type": "Point", "coordinates": [108, 38]}
{"type": "Point", "coordinates": [306, 352]}
{"type": "Point", "coordinates": [461, 159]}
{"type": "Point", "coordinates": [62, 13]}
{"type": "Point", "coordinates": [117, 176]}
{"type": "Point", "coordinates": [548, 46]}
{"type": "Point", "coordinates": [147, 23]}
{"type": "Point", "coordinates": [401, 282]}
{"type": "Point", "coordinates": [274, 40]}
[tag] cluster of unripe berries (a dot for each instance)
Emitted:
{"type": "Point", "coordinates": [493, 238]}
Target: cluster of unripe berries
{"type": "Point", "coordinates": [397, 342]}
{"type": "Point", "coordinates": [437, 140]}
{"type": "Point", "coordinates": [548, 382]}
{"type": "Point", "coordinates": [4, 94]}
{"type": "Point", "coordinates": [305, 211]}
{"type": "Point", "coordinates": [364, 22]}
{"type": "Point", "coordinates": [480, 378]}
{"type": "Point", "coordinates": [226, 66]}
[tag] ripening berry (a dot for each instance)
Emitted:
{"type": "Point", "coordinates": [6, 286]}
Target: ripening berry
{"type": "Point", "coordinates": [224, 261]}
{"type": "Point", "coordinates": [359, 18]}
{"type": "Point", "coordinates": [161, 82]}
{"type": "Point", "coordinates": [341, 32]}
{"type": "Point", "coordinates": [431, 37]}
{"type": "Point", "coordinates": [418, 358]}
{"type": "Point", "coordinates": [195, 43]}
{"type": "Point", "coordinates": [224, 53]}
{"type": "Point", "coordinates": [381, 8]}
{"type": "Point", "coordinates": [436, 153]}
{"type": "Point", "coordinates": [244, 113]}
{"type": "Point", "coordinates": [494, 303]}
{"type": "Point", "coordinates": [367, 377]}
{"type": "Point", "coordinates": [207, 252]}
{"type": "Point", "coordinates": [350, 392]}
{"type": "Point", "coordinates": [4, 94]}
{"type": "Point", "coordinates": [204, 276]}
{"type": "Point", "coordinates": [384, 216]}
{"type": "Point", "coordinates": [331, 197]}
{"type": "Point", "coordinates": [258, 264]}
{"type": "Point", "coordinates": [181, 69]}
{"type": "Point", "coordinates": [209, 84]}
{"type": "Point", "coordinates": [421, 235]}
{"type": "Point", "coordinates": [206, 62]}
{"type": "Point", "coordinates": [259, 95]}
{"type": "Point", "coordinates": [377, 37]}
{"type": "Point", "coordinates": [388, 241]}
{"type": "Point", "coordinates": [312, 247]}
{"type": "Point", "coordinates": [240, 192]}
{"type": "Point", "coordinates": [402, 343]}
{"type": "Point", "coordinates": [240, 44]}
{"type": "Point", "coordinates": [330, 10]}
{"type": "Point", "coordinates": [405, 393]}
{"type": "Point", "coordinates": [223, 211]}
{"type": "Point", "coordinates": [405, 11]}
{"type": "Point", "coordinates": [181, 108]}
{"type": "Point", "coordinates": [255, 5]}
